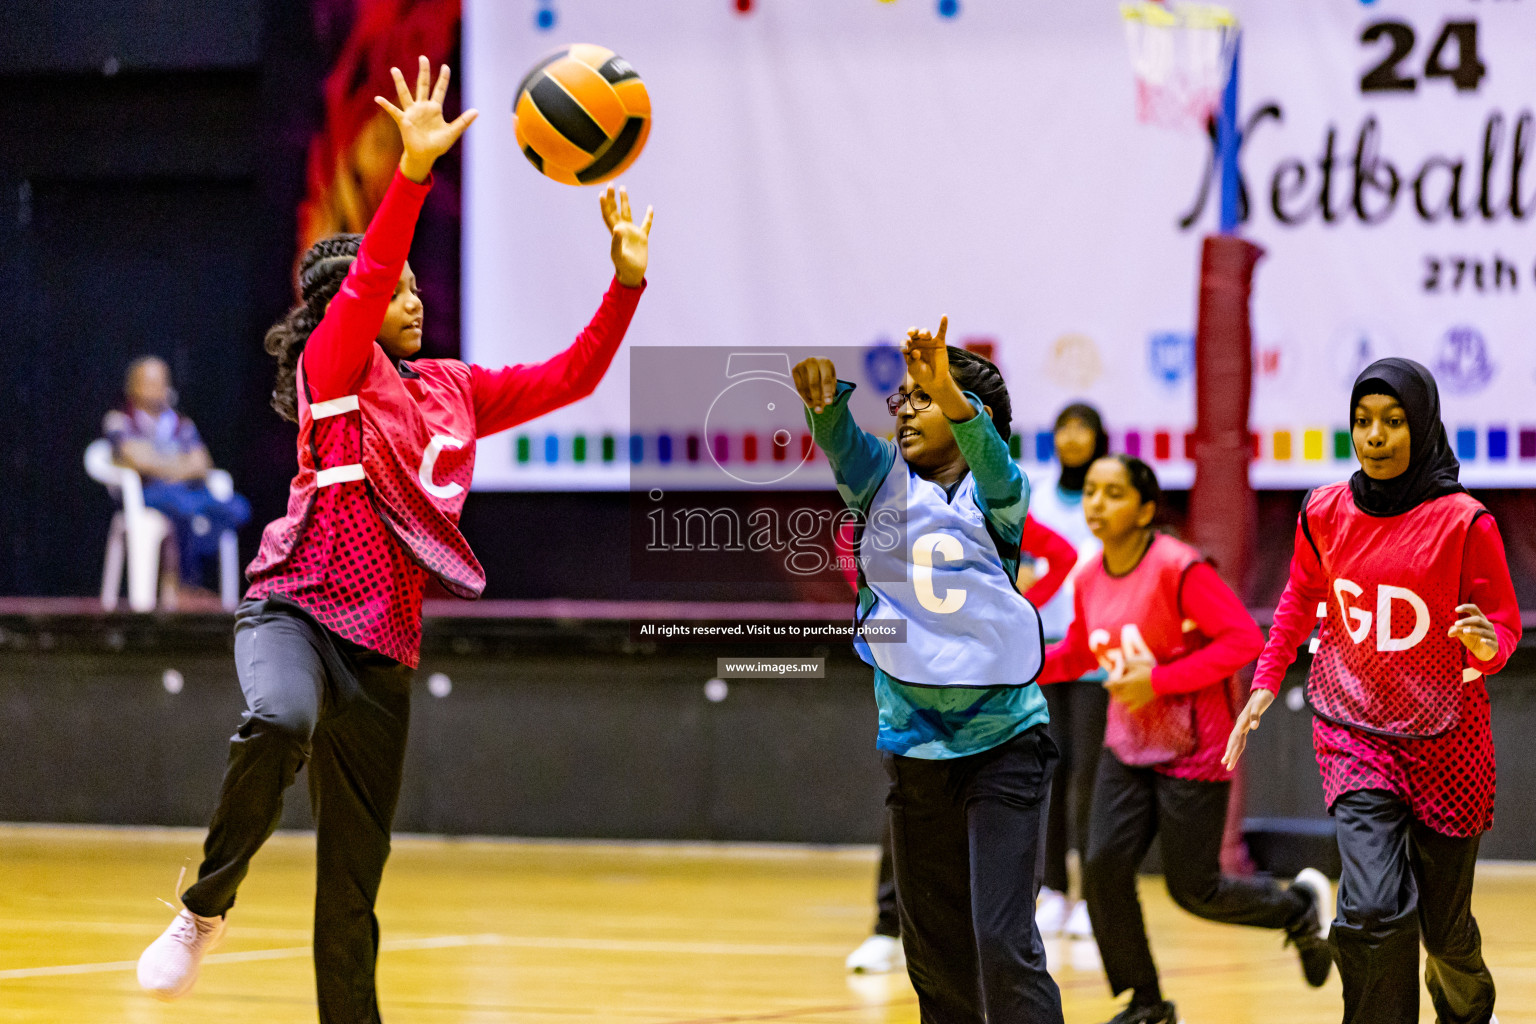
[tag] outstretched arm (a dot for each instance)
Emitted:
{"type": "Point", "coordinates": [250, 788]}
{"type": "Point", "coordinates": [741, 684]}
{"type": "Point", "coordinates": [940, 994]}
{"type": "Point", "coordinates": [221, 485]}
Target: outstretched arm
{"type": "Point", "coordinates": [1070, 657]}
{"type": "Point", "coordinates": [860, 460]}
{"type": "Point", "coordinates": [515, 394]}
{"type": "Point", "coordinates": [336, 356]}
{"type": "Point", "coordinates": [1295, 615]}
{"type": "Point", "coordinates": [1295, 618]}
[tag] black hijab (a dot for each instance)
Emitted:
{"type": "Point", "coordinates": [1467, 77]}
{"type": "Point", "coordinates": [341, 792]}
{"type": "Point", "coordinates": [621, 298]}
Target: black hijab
{"type": "Point", "coordinates": [1433, 471]}
{"type": "Point", "coordinates": [1073, 477]}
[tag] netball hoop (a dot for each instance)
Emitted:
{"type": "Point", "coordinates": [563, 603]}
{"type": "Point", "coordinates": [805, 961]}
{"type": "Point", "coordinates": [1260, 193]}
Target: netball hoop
{"type": "Point", "coordinates": [1182, 56]}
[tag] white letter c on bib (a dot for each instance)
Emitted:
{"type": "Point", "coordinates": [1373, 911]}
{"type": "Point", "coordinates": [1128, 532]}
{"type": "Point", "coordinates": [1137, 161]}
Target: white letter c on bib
{"type": "Point", "coordinates": [429, 463]}
{"type": "Point", "coordinates": [923, 550]}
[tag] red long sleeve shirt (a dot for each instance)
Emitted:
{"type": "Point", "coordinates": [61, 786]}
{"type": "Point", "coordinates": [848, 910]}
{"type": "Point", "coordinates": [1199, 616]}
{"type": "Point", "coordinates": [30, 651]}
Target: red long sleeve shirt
{"type": "Point", "coordinates": [370, 588]}
{"type": "Point", "coordinates": [1059, 554]}
{"type": "Point", "coordinates": [1210, 603]}
{"type": "Point", "coordinates": [1448, 781]}
{"type": "Point", "coordinates": [337, 355]}
{"type": "Point", "coordinates": [1485, 582]}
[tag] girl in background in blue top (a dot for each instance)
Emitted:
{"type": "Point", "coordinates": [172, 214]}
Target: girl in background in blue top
{"type": "Point", "coordinates": [962, 725]}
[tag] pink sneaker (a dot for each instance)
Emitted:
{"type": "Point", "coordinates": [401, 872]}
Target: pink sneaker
{"type": "Point", "coordinates": [168, 968]}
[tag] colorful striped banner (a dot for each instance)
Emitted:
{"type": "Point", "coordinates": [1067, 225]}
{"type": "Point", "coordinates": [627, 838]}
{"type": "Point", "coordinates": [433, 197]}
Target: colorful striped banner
{"type": "Point", "coordinates": [1493, 444]}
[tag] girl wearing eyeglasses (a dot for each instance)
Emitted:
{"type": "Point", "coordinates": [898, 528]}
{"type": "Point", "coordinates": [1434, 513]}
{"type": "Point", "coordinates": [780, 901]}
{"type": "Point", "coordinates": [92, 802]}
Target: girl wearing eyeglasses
{"type": "Point", "coordinates": [962, 723]}
{"type": "Point", "coordinates": [881, 952]}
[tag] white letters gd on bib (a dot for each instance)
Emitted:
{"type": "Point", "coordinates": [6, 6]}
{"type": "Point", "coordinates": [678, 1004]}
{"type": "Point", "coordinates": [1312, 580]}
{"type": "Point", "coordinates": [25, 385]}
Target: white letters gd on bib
{"type": "Point", "coordinates": [1385, 595]}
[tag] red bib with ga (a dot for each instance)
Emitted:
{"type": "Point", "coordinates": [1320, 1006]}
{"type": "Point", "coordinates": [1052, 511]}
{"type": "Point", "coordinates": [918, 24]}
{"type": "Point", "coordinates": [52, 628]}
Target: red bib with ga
{"type": "Point", "coordinates": [1133, 618]}
{"type": "Point", "coordinates": [1382, 660]}
{"type": "Point", "coordinates": [405, 445]}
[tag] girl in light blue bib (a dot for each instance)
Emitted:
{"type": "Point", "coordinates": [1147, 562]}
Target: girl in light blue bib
{"type": "Point", "coordinates": [955, 651]}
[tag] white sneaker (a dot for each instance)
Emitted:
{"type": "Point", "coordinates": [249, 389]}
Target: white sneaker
{"type": "Point", "coordinates": [878, 954]}
{"type": "Point", "coordinates": [168, 968]}
{"type": "Point", "coordinates": [1317, 882]}
{"type": "Point", "coordinates": [1078, 925]}
{"type": "Point", "coordinates": [1051, 912]}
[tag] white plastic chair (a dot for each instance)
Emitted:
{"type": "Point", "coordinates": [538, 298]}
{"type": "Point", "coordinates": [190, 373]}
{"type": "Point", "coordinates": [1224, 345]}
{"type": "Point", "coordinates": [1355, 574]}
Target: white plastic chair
{"type": "Point", "coordinates": [138, 532]}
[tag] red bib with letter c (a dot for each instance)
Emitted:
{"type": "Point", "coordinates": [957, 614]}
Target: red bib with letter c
{"type": "Point", "coordinates": [404, 447]}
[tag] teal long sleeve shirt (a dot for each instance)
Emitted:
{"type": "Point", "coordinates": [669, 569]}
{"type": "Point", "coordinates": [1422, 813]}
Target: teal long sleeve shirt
{"type": "Point", "coordinates": [919, 721]}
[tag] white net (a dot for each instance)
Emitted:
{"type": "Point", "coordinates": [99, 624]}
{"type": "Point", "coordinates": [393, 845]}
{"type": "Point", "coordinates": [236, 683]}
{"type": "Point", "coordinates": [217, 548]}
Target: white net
{"type": "Point", "coordinates": [1181, 54]}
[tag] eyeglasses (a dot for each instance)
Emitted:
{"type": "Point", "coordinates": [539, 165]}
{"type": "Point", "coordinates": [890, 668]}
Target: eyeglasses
{"type": "Point", "coordinates": [917, 398]}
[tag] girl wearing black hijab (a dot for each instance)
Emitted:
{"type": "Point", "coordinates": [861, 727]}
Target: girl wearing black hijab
{"type": "Point", "coordinates": [1407, 574]}
{"type": "Point", "coordinates": [1078, 707]}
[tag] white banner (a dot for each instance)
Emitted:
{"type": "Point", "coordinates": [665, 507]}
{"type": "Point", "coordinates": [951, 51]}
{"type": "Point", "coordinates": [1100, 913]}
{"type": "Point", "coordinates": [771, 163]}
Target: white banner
{"type": "Point", "coordinates": [830, 172]}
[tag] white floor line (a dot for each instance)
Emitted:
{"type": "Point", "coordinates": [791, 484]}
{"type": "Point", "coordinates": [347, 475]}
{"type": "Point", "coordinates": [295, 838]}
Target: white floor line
{"type": "Point", "coordinates": [58, 925]}
{"type": "Point", "coordinates": [683, 948]}
{"type": "Point", "coordinates": [702, 848]}
{"type": "Point", "coordinates": [455, 941]}
{"type": "Point", "coordinates": [47, 972]}
{"type": "Point", "coordinates": [284, 953]}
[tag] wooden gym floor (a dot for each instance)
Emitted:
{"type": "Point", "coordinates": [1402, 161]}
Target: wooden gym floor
{"type": "Point", "coordinates": [557, 933]}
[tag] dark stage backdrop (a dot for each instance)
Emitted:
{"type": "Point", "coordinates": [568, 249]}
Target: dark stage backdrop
{"type": "Point", "coordinates": [155, 160]}
{"type": "Point", "coordinates": [150, 182]}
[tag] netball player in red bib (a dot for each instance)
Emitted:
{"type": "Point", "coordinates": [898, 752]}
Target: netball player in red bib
{"type": "Point", "coordinates": [1170, 633]}
{"type": "Point", "coordinates": [329, 634]}
{"type": "Point", "coordinates": [1404, 574]}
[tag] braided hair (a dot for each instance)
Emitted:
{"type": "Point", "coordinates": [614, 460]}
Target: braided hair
{"type": "Point", "coordinates": [322, 269]}
{"type": "Point", "coordinates": [981, 378]}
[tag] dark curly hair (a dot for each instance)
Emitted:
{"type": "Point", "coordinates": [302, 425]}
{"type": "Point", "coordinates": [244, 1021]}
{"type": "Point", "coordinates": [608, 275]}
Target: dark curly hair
{"type": "Point", "coordinates": [981, 378]}
{"type": "Point", "coordinates": [321, 271]}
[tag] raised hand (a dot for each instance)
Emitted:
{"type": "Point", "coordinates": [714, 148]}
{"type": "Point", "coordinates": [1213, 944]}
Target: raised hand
{"type": "Point", "coordinates": [1247, 722]}
{"type": "Point", "coordinates": [1475, 631]}
{"type": "Point", "coordinates": [631, 244]}
{"type": "Point", "coordinates": [927, 357]}
{"type": "Point", "coordinates": [423, 131]}
{"type": "Point", "coordinates": [816, 380]}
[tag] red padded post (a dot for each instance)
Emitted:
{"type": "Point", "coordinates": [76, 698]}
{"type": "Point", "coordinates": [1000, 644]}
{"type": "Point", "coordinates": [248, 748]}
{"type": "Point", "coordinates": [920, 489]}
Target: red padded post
{"type": "Point", "coordinates": [1223, 512]}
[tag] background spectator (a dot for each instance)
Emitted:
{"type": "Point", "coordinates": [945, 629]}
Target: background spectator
{"type": "Point", "coordinates": [149, 436]}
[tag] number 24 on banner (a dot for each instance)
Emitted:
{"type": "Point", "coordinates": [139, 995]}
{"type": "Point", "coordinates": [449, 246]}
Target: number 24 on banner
{"type": "Point", "coordinates": [1385, 75]}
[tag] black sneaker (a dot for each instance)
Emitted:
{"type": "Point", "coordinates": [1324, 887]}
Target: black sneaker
{"type": "Point", "coordinates": [1311, 936]}
{"type": "Point", "coordinates": [1148, 1013]}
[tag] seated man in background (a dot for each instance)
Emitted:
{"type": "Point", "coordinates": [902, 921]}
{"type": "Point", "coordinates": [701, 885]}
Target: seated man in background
{"type": "Point", "coordinates": [149, 436]}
